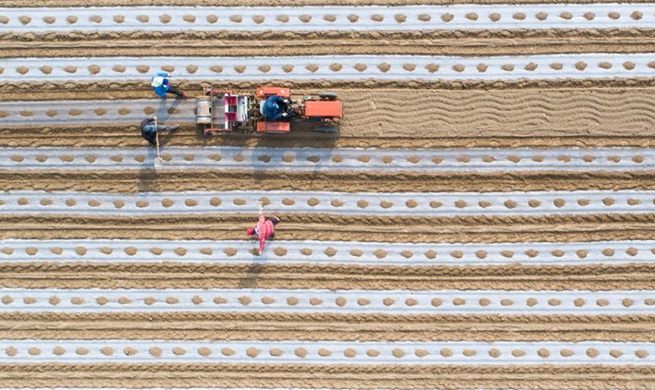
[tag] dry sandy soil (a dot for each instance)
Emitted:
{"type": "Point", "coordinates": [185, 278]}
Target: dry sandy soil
{"type": "Point", "coordinates": [436, 114]}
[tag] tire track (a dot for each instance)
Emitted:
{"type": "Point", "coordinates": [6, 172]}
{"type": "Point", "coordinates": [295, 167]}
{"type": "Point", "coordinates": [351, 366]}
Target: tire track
{"type": "Point", "coordinates": [99, 90]}
{"type": "Point", "coordinates": [381, 117]}
{"type": "Point", "coordinates": [106, 45]}
{"type": "Point", "coordinates": [128, 136]}
{"type": "Point", "coordinates": [213, 180]}
{"type": "Point", "coordinates": [322, 227]}
{"type": "Point", "coordinates": [612, 283]}
{"type": "Point", "coordinates": [328, 376]}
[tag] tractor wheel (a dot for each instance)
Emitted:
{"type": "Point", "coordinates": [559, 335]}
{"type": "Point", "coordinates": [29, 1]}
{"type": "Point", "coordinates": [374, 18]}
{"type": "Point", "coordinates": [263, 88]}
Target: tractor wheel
{"type": "Point", "coordinates": [328, 95]}
{"type": "Point", "coordinates": [327, 129]}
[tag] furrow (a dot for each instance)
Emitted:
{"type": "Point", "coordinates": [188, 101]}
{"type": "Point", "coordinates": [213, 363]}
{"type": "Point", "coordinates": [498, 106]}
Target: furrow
{"type": "Point", "coordinates": [568, 228]}
{"type": "Point", "coordinates": [116, 181]}
{"type": "Point", "coordinates": [544, 376]}
{"type": "Point", "coordinates": [211, 276]}
{"type": "Point", "coordinates": [277, 326]}
{"type": "Point", "coordinates": [131, 111]}
{"type": "Point", "coordinates": [540, 89]}
{"type": "Point", "coordinates": [382, 117]}
{"type": "Point", "coordinates": [360, 136]}
{"type": "Point", "coordinates": [419, 42]}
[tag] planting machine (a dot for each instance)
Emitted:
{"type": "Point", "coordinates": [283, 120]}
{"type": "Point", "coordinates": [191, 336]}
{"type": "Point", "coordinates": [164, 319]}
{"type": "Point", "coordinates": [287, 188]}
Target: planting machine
{"type": "Point", "coordinates": [269, 110]}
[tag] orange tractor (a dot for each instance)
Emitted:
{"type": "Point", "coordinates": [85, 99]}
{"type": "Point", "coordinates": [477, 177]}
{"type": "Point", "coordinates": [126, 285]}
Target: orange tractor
{"type": "Point", "coordinates": [269, 110]}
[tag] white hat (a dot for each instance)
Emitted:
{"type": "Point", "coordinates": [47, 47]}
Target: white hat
{"type": "Point", "coordinates": [157, 81]}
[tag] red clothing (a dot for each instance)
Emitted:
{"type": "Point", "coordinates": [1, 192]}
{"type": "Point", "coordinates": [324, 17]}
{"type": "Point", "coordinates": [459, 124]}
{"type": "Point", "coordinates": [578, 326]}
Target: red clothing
{"type": "Point", "coordinates": [264, 231]}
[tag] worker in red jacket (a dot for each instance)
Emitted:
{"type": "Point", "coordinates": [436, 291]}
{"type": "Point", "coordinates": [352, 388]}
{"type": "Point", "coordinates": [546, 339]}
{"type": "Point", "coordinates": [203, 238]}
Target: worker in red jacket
{"type": "Point", "coordinates": [264, 230]}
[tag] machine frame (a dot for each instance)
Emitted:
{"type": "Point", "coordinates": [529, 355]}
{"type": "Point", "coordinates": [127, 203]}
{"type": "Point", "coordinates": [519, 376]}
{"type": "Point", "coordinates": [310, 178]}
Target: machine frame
{"type": "Point", "coordinates": [222, 111]}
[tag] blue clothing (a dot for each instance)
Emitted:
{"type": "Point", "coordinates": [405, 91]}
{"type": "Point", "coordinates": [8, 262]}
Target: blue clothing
{"type": "Point", "coordinates": [164, 87]}
{"type": "Point", "coordinates": [274, 106]}
{"type": "Point", "coordinates": [149, 130]}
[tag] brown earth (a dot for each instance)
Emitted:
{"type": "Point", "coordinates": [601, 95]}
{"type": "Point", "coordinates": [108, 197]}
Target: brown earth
{"type": "Point", "coordinates": [128, 136]}
{"type": "Point", "coordinates": [212, 180]}
{"type": "Point", "coordinates": [333, 277]}
{"type": "Point", "coordinates": [329, 376]}
{"type": "Point", "coordinates": [571, 116]}
{"type": "Point", "coordinates": [567, 228]}
{"type": "Point", "coordinates": [325, 326]}
{"type": "Point", "coordinates": [135, 90]}
{"type": "Point", "coordinates": [287, 43]}
{"type": "Point", "coordinates": [387, 114]}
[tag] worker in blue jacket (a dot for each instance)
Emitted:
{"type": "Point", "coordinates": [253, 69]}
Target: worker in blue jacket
{"type": "Point", "coordinates": [276, 108]}
{"type": "Point", "coordinates": [161, 86]}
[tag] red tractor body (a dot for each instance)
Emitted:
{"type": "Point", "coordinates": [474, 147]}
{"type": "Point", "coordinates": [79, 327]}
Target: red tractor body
{"type": "Point", "coordinates": [223, 111]}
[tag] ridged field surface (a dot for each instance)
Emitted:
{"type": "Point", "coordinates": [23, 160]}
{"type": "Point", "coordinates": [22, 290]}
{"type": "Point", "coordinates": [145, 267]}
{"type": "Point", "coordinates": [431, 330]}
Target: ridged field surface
{"type": "Point", "coordinates": [483, 219]}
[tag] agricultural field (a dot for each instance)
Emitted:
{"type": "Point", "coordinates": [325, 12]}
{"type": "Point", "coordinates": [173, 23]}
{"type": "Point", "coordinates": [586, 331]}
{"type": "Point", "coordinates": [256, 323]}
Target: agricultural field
{"type": "Point", "coordinates": [483, 219]}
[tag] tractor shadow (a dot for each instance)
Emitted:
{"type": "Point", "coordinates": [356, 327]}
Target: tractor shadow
{"type": "Point", "coordinates": [303, 145]}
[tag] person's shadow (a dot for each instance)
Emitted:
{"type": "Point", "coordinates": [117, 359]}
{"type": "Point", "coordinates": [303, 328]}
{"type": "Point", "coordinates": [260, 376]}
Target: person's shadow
{"type": "Point", "coordinates": [255, 268]}
{"type": "Point", "coordinates": [163, 113]}
{"type": "Point", "coordinates": [147, 176]}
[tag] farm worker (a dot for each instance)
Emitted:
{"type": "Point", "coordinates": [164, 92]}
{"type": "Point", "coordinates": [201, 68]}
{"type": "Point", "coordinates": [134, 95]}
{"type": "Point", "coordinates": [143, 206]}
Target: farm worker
{"type": "Point", "coordinates": [264, 230]}
{"type": "Point", "coordinates": [275, 108]}
{"type": "Point", "coordinates": [149, 129]}
{"type": "Point", "coordinates": [161, 86]}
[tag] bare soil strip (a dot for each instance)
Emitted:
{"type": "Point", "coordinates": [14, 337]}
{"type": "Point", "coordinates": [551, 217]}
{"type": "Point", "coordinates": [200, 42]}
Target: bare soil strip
{"type": "Point", "coordinates": [463, 117]}
{"type": "Point", "coordinates": [475, 38]}
{"type": "Point", "coordinates": [99, 90]}
{"type": "Point", "coordinates": [576, 377]}
{"type": "Point", "coordinates": [129, 136]}
{"type": "Point", "coordinates": [323, 227]}
{"type": "Point", "coordinates": [456, 43]}
{"type": "Point", "coordinates": [188, 180]}
{"type": "Point", "coordinates": [172, 275]}
{"type": "Point", "coordinates": [309, 47]}
{"type": "Point", "coordinates": [325, 326]}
